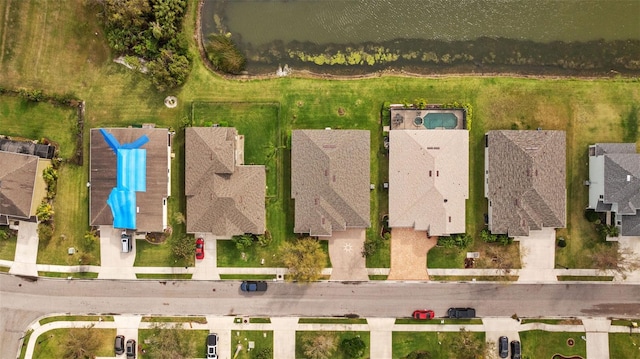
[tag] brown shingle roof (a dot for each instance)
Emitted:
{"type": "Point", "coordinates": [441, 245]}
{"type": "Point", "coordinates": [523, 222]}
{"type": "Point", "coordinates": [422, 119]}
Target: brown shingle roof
{"type": "Point", "coordinates": [222, 198]}
{"type": "Point", "coordinates": [526, 181]}
{"type": "Point", "coordinates": [428, 180]}
{"type": "Point", "coordinates": [330, 180]}
{"type": "Point", "coordinates": [17, 181]}
{"type": "Point", "coordinates": [150, 216]}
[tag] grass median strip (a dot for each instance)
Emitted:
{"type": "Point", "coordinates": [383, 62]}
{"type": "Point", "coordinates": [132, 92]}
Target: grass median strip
{"type": "Point", "coordinates": [77, 318]}
{"type": "Point", "coordinates": [163, 276]}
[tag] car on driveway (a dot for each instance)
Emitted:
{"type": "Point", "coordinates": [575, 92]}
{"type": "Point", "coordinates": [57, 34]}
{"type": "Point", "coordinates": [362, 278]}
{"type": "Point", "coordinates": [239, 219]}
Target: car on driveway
{"type": "Point", "coordinates": [459, 313]}
{"type": "Point", "coordinates": [131, 349]}
{"type": "Point", "coordinates": [199, 248]}
{"type": "Point", "coordinates": [503, 347]}
{"type": "Point", "coordinates": [212, 346]}
{"type": "Point", "coordinates": [515, 350]}
{"type": "Point", "coordinates": [423, 314]}
{"type": "Point", "coordinates": [118, 346]}
{"type": "Point", "coordinates": [253, 286]}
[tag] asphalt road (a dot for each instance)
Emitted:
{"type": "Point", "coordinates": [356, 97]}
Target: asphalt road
{"type": "Point", "coordinates": [23, 300]}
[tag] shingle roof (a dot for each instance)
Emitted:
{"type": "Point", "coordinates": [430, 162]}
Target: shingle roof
{"type": "Point", "coordinates": [526, 181]}
{"type": "Point", "coordinates": [17, 183]}
{"type": "Point", "coordinates": [428, 180]}
{"type": "Point", "coordinates": [223, 198]}
{"type": "Point", "coordinates": [330, 180]}
{"type": "Point", "coordinates": [150, 216]}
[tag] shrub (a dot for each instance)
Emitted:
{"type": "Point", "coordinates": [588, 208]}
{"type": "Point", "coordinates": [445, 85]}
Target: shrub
{"type": "Point", "coordinates": [264, 353]}
{"type": "Point", "coordinates": [44, 212]}
{"type": "Point", "coordinates": [457, 240]}
{"type": "Point", "coordinates": [182, 247]}
{"type": "Point", "coordinates": [224, 55]}
{"type": "Point", "coordinates": [243, 242]}
{"type": "Point", "coordinates": [45, 232]}
{"type": "Point", "coordinates": [591, 215]}
{"type": "Point", "coordinates": [354, 347]}
{"type": "Point", "coordinates": [31, 95]}
{"type": "Point", "coordinates": [495, 238]}
{"type": "Point", "coordinates": [50, 176]}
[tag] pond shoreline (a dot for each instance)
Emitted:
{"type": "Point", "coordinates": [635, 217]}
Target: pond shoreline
{"type": "Point", "coordinates": [392, 72]}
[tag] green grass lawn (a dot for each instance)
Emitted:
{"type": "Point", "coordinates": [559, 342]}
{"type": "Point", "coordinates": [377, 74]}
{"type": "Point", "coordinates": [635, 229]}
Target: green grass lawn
{"type": "Point", "coordinates": [589, 110]}
{"type": "Point", "coordinates": [302, 336]}
{"type": "Point", "coordinates": [193, 341]}
{"type": "Point", "coordinates": [263, 340]}
{"type": "Point", "coordinates": [157, 255]}
{"type": "Point", "coordinates": [230, 256]}
{"type": "Point", "coordinates": [201, 320]}
{"type": "Point", "coordinates": [435, 343]}
{"type": "Point", "coordinates": [83, 275]}
{"type": "Point", "coordinates": [162, 276]}
{"type": "Point", "coordinates": [76, 318]}
{"type": "Point", "coordinates": [332, 321]}
{"type": "Point", "coordinates": [8, 246]}
{"type": "Point", "coordinates": [623, 345]}
{"type": "Point", "coordinates": [541, 344]}
{"type": "Point", "coordinates": [52, 344]}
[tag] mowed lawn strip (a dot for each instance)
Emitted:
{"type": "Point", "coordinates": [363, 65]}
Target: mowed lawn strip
{"type": "Point", "coordinates": [624, 345]}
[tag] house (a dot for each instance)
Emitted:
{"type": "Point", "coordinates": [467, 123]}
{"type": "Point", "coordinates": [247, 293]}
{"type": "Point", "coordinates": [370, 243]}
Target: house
{"type": "Point", "coordinates": [224, 196]}
{"type": "Point", "coordinates": [525, 181]}
{"type": "Point", "coordinates": [22, 186]}
{"type": "Point", "coordinates": [428, 180]}
{"type": "Point", "coordinates": [614, 184]}
{"type": "Point", "coordinates": [130, 178]}
{"type": "Point", "coordinates": [330, 180]}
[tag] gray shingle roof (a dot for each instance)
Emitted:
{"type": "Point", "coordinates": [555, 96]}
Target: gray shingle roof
{"type": "Point", "coordinates": [150, 216]}
{"type": "Point", "coordinates": [330, 180]}
{"type": "Point", "coordinates": [223, 198]}
{"type": "Point", "coordinates": [428, 180]}
{"type": "Point", "coordinates": [17, 183]}
{"type": "Point", "coordinates": [526, 181]}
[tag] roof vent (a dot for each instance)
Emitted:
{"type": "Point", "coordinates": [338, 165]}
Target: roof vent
{"type": "Point", "coordinates": [628, 178]}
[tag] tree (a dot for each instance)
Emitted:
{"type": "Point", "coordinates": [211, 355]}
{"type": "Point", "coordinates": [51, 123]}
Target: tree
{"type": "Point", "coordinates": [169, 343]}
{"type": "Point", "coordinates": [44, 212]}
{"type": "Point", "coordinates": [608, 256]}
{"type": "Point", "coordinates": [45, 232]}
{"type": "Point", "coordinates": [319, 346]}
{"type": "Point", "coordinates": [81, 343]}
{"type": "Point", "coordinates": [354, 347]}
{"type": "Point", "coordinates": [466, 345]}
{"type": "Point", "coordinates": [183, 247]}
{"type": "Point", "coordinates": [304, 258]}
{"type": "Point", "coordinates": [418, 354]}
{"type": "Point", "coordinates": [169, 70]}
{"type": "Point", "coordinates": [242, 242]}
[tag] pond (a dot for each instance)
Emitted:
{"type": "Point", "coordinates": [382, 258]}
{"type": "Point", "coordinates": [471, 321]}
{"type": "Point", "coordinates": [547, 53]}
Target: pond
{"type": "Point", "coordinates": [399, 32]}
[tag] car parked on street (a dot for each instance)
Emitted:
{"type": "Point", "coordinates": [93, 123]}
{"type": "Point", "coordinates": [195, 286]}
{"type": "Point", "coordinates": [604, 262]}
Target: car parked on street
{"type": "Point", "coordinates": [423, 314]}
{"type": "Point", "coordinates": [131, 349]}
{"type": "Point", "coordinates": [199, 248]}
{"type": "Point", "coordinates": [515, 350]}
{"type": "Point", "coordinates": [253, 286]}
{"type": "Point", "coordinates": [503, 347]}
{"type": "Point", "coordinates": [118, 346]}
{"type": "Point", "coordinates": [212, 346]}
{"type": "Point", "coordinates": [459, 313]}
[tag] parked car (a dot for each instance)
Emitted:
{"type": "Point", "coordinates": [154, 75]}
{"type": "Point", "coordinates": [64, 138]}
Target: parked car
{"type": "Point", "coordinates": [459, 313]}
{"type": "Point", "coordinates": [503, 347]}
{"type": "Point", "coordinates": [212, 346]}
{"type": "Point", "coordinates": [423, 314]}
{"type": "Point", "coordinates": [131, 349]}
{"type": "Point", "coordinates": [253, 286]}
{"type": "Point", "coordinates": [118, 346]}
{"type": "Point", "coordinates": [515, 350]}
{"type": "Point", "coordinates": [127, 245]}
{"type": "Point", "coordinates": [199, 248]}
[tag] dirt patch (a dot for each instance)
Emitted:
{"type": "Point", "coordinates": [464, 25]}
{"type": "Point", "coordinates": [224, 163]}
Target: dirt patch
{"type": "Point", "coordinates": [409, 254]}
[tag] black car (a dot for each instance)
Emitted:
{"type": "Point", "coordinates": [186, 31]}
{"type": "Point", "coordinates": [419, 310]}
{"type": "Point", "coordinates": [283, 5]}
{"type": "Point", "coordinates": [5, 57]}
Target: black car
{"type": "Point", "coordinates": [503, 347]}
{"type": "Point", "coordinates": [515, 350]}
{"type": "Point", "coordinates": [253, 286]}
{"type": "Point", "coordinates": [131, 349]}
{"type": "Point", "coordinates": [458, 313]}
{"type": "Point", "coordinates": [118, 346]}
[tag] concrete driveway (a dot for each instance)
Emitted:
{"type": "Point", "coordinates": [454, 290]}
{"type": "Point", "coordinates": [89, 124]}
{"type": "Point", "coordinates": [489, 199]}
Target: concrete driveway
{"type": "Point", "coordinates": [630, 247]}
{"type": "Point", "coordinates": [24, 262]}
{"type": "Point", "coordinates": [345, 250]}
{"type": "Point", "coordinates": [128, 325]}
{"type": "Point", "coordinates": [538, 256]}
{"type": "Point", "coordinates": [207, 268]}
{"type": "Point", "coordinates": [409, 254]}
{"type": "Point", "coordinates": [114, 263]}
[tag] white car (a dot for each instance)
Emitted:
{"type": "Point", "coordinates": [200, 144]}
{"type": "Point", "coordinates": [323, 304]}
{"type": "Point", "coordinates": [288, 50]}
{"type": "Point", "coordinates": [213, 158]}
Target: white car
{"type": "Point", "coordinates": [212, 346]}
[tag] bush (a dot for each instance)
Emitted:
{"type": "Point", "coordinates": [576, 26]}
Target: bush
{"type": "Point", "coordinates": [462, 240]}
{"type": "Point", "coordinates": [354, 347]}
{"type": "Point", "coordinates": [50, 176]}
{"type": "Point", "coordinates": [45, 232]}
{"type": "Point", "coordinates": [495, 238]}
{"type": "Point", "coordinates": [591, 215]}
{"type": "Point", "coordinates": [243, 242]}
{"type": "Point", "coordinates": [44, 212]}
{"type": "Point", "coordinates": [264, 353]}
{"type": "Point", "coordinates": [562, 242]}
{"type": "Point", "coordinates": [418, 354]}
{"type": "Point", "coordinates": [182, 247]}
{"type": "Point", "coordinates": [31, 95]}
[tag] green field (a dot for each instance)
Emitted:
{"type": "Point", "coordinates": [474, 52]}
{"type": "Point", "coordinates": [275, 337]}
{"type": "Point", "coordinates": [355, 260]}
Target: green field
{"type": "Point", "coordinates": [436, 343]}
{"type": "Point", "coordinates": [541, 344]}
{"type": "Point", "coordinates": [33, 34]}
{"type": "Point", "coordinates": [623, 345]}
{"type": "Point", "coordinates": [303, 336]}
{"type": "Point", "coordinates": [52, 344]}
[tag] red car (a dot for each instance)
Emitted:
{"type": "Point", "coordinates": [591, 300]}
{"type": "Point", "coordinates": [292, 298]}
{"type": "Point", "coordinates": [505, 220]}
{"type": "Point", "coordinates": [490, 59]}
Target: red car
{"type": "Point", "coordinates": [199, 248]}
{"type": "Point", "coordinates": [423, 314]}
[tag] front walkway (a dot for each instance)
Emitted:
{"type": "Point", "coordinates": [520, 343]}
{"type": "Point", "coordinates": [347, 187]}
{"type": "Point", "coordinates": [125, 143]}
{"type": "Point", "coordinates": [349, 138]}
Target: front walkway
{"type": "Point", "coordinates": [24, 262]}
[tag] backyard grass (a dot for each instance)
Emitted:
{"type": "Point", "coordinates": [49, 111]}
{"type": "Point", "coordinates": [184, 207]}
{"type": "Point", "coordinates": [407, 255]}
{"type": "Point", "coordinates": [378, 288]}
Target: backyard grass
{"type": "Point", "coordinates": [301, 336]}
{"type": "Point", "coordinates": [541, 344]}
{"type": "Point", "coordinates": [194, 341]}
{"type": "Point", "coordinates": [52, 344]}
{"type": "Point", "coordinates": [403, 343]}
{"type": "Point", "coordinates": [589, 110]}
{"type": "Point", "coordinates": [262, 340]}
{"type": "Point", "coordinates": [162, 276]}
{"type": "Point", "coordinates": [622, 345]}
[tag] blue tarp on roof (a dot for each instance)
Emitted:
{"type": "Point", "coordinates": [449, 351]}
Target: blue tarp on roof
{"type": "Point", "coordinates": [131, 178]}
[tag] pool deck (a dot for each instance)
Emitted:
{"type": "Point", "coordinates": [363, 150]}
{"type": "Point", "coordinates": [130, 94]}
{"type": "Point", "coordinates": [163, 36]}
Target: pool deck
{"type": "Point", "coordinates": [402, 118]}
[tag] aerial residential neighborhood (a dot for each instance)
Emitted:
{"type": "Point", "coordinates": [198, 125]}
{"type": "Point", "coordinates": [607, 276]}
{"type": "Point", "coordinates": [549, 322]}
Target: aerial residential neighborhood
{"type": "Point", "coordinates": [299, 180]}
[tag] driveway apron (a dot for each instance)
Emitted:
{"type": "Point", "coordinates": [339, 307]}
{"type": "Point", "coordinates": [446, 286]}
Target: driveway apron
{"type": "Point", "coordinates": [345, 250]}
{"type": "Point", "coordinates": [24, 262]}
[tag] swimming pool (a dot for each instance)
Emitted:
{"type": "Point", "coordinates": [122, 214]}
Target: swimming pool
{"type": "Point", "coordinates": [446, 120]}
